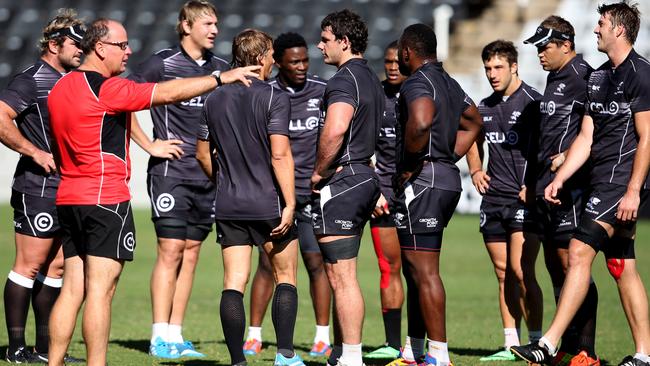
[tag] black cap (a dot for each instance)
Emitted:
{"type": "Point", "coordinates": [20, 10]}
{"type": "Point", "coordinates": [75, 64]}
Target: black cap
{"type": "Point", "coordinates": [544, 35]}
{"type": "Point", "coordinates": [74, 32]}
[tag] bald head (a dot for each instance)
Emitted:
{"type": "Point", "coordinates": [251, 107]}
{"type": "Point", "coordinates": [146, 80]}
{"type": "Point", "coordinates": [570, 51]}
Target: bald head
{"type": "Point", "coordinates": [106, 43]}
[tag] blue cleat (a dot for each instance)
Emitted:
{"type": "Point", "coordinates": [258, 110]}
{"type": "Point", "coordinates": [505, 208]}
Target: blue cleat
{"type": "Point", "coordinates": [162, 349]}
{"type": "Point", "coordinates": [186, 349]}
{"type": "Point", "coordinates": [283, 361]}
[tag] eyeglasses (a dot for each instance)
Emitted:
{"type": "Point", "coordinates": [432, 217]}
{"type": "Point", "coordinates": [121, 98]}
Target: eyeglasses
{"type": "Point", "coordinates": [121, 45]}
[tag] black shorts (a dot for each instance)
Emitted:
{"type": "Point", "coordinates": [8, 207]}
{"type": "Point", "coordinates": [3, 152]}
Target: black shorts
{"type": "Point", "coordinates": [345, 204]}
{"type": "Point", "coordinates": [602, 202]}
{"type": "Point", "coordinates": [190, 200]}
{"type": "Point", "coordinates": [98, 230]}
{"type": "Point", "coordinates": [421, 210]}
{"type": "Point", "coordinates": [35, 216]}
{"type": "Point", "coordinates": [498, 221]}
{"type": "Point", "coordinates": [251, 232]}
{"type": "Point", "coordinates": [555, 222]}
{"type": "Point", "coordinates": [306, 237]}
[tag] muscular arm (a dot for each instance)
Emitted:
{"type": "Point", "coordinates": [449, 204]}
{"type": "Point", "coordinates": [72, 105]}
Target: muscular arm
{"type": "Point", "coordinates": [282, 162]}
{"type": "Point", "coordinates": [629, 205]}
{"type": "Point", "coordinates": [13, 139]}
{"type": "Point", "coordinates": [173, 91]}
{"type": "Point", "coordinates": [480, 179]}
{"type": "Point", "coordinates": [204, 156]}
{"type": "Point", "coordinates": [577, 155]}
{"type": "Point", "coordinates": [166, 149]}
{"type": "Point", "coordinates": [337, 120]}
{"type": "Point", "coordinates": [469, 130]}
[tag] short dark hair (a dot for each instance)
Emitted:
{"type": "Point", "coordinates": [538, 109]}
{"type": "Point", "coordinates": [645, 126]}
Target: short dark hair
{"type": "Point", "coordinates": [624, 14]}
{"type": "Point", "coordinates": [421, 39]}
{"type": "Point", "coordinates": [248, 46]}
{"type": "Point", "coordinates": [391, 46]}
{"type": "Point", "coordinates": [561, 25]}
{"type": "Point", "coordinates": [346, 23]}
{"type": "Point", "coordinates": [501, 48]}
{"type": "Point", "coordinates": [97, 30]}
{"type": "Point", "coordinates": [285, 41]}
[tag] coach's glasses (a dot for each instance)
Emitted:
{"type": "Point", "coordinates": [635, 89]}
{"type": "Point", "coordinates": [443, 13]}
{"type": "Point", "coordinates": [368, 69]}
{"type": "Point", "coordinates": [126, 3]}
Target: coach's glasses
{"type": "Point", "coordinates": [121, 45]}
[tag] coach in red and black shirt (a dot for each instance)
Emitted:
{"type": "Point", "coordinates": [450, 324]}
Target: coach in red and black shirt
{"type": "Point", "coordinates": [90, 119]}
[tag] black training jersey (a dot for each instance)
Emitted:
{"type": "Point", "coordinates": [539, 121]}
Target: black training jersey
{"type": "Point", "coordinates": [613, 96]}
{"type": "Point", "coordinates": [385, 150]}
{"type": "Point", "coordinates": [238, 121]}
{"type": "Point", "coordinates": [180, 120]}
{"type": "Point", "coordinates": [356, 84]}
{"type": "Point", "coordinates": [303, 127]}
{"type": "Point", "coordinates": [432, 81]}
{"type": "Point", "coordinates": [27, 95]}
{"type": "Point", "coordinates": [562, 108]}
{"type": "Point", "coordinates": [509, 124]}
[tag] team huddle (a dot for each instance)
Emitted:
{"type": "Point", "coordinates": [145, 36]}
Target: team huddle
{"type": "Point", "coordinates": [285, 164]}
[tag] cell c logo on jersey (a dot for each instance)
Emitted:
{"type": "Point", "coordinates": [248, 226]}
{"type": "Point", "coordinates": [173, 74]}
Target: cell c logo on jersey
{"type": "Point", "coordinates": [548, 108]}
{"type": "Point", "coordinates": [311, 123]}
{"type": "Point", "coordinates": [612, 108]}
{"type": "Point", "coordinates": [43, 222]}
{"type": "Point", "coordinates": [165, 202]}
{"type": "Point", "coordinates": [512, 137]}
{"type": "Point", "coordinates": [129, 241]}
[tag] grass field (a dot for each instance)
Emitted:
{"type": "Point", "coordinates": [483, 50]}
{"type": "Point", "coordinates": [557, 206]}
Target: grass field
{"type": "Point", "coordinates": [474, 327]}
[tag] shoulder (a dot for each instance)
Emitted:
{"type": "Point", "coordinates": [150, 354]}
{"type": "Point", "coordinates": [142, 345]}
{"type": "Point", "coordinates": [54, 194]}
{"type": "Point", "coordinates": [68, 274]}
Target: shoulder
{"type": "Point", "coordinates": [531, 94]}
{"type": "Point", "coordinates": [219, 63]}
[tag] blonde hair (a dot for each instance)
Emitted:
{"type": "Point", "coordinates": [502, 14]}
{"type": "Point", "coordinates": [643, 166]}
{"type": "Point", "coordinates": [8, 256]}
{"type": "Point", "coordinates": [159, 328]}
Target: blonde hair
{"type": "Point", "coordinates": [249, 46]}
{"type": "Point", "coordinates": [64, 18]}
{"type": "Point", "coordinates": [192, 10]}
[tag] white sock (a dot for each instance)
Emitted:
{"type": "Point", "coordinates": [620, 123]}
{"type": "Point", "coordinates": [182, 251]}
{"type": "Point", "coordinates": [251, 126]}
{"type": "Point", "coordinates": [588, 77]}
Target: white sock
{"type": "Point", "coordinates": [174, 333]}
{"type": "Point", "coordinates": [543, 342]}
{"type": "Point", "coordinates": [159, 330]}
{"type": "Point", "coordinates": [322, 334]}
{"type": "Point", "coordinates": [511, 337]}
{"type": "Point", "coordinates": [20, 280]}
{"type": "Point", "coordinates": [413, 348]}
{"type": "Point", "coordinates": [439, 351]}
{"type": "Point", "coordinates": [534, 336]}
{"type": "Point", "coordinates": [49, 281]}
{"type": "Point", "coordinates": [255, 333]}
{"type": "Point", "coordinates": [351, 355]}
{"type": "Point", "coordinates": [642, 357]}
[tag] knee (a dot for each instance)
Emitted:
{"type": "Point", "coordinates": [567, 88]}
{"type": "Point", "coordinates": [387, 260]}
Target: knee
{"type": "Point", "coordinates": [315, 268]}
{"type": "Point", "coordinates": [500, 272]}
{"type": "Point", "coordinates": [235, 281]}
{"type": "Point", "coordinates": [170, 255]}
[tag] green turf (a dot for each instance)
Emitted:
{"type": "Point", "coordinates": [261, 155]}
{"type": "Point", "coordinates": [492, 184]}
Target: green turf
{"type": "Point", "coordinates": [473, 324]}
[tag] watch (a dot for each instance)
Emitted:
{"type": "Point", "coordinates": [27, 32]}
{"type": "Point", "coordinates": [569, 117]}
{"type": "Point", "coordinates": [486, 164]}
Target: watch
{"type": "Point", "coordinates": [217, 77]}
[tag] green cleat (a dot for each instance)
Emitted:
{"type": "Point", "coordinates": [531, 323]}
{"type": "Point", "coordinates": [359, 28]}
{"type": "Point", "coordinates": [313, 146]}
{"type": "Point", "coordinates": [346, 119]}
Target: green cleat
{"type": "Point", "coordinates": [504, 355]}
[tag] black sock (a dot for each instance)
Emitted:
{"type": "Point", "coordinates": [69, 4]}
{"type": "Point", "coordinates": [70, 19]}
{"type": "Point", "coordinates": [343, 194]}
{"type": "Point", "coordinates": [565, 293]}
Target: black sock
{"type": "Point", "coordinates": [415, 321]}
{"type": "Point", "coordinates": [43, 299]}
{"type": "Point", "coordinates": [393, 327]}
{"type": "Point", "coordinates": [337, 351]}
{"type": "Point", "coordinates": [585, 321]}
{"type": "Point", "coordinates": [233, 323]}
{"type": "Point", "coordinates": [337, 345]}
{"type": "Point", "coordinates": [16, 299]}
{"type": "Point", "coordinates": [283, 312]}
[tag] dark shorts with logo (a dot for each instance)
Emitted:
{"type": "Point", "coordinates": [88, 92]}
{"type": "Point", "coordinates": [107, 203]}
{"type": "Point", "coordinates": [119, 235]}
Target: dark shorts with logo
{"type": "Point", "coordinates": [420, 210]}
{"type": "Point", "coordinates": [189, 200]}
{"type": "Point", "coordinates": [602, 202]}
{"type": "Point", "coordinates": [34, 216]}
{"type": "Point", "coordinates": [251, 232]}
{"type": "Point", "coordinates": [498, 221]}
{"type": "Point", "coordinates": [98, 230]}
{"type": "Point", "coordinates": [344, 204]}
{"type": "Point", "coordinates": [556, 222]}
{"type": "Point", "coordinates": [306, 237]}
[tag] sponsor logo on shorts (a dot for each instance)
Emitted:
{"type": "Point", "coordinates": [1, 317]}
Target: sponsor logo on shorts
{"type": "Point", "coordinates": [482, 219]}
{"type": "Point", "coordinates": [307, 210]}
{"type": "Point", "coordinates": [18, 225]}
{"type": "Point", "coordinates": [591, 205]}
{"type": "Point", "coordinates": [165, 202]}
{"type": "Point", "coordinates": [429, 221]}
{"type": "Point", "coordinates": [43, 222]}
{"type": "Point", "coordinates": [398, 218]}
{"type": "Point", "coordinates": [129, 241]}
{"type": "Point", "coordinates": [345, 224]}
{"type": "Point", "coordinates": [520, 215]}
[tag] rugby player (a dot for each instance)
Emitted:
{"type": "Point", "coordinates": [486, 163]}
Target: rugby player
{"type": "Point", "coordinates": [305, 93]}
{"type": "Point", "coordinates": [615, 138]}
{"type": "Point", "coordinates": [345, 186]}
{"type": "Point", "coordinates": [92, 150]}
{"type": "Point", "coordinates": [37, 270]}
{"type": "Point", "coordinates": [438, 123]}
{"type": "Point", "coordinates": [562, 108]}
{"type": "Point", "coordinates": [255, 200]}
{"type": "Point", "coordinates": [182, 206]}
{"type": "Point", "coordinates": [382, 226]}
{"type": "Point", "coordinates": [510, 121]}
